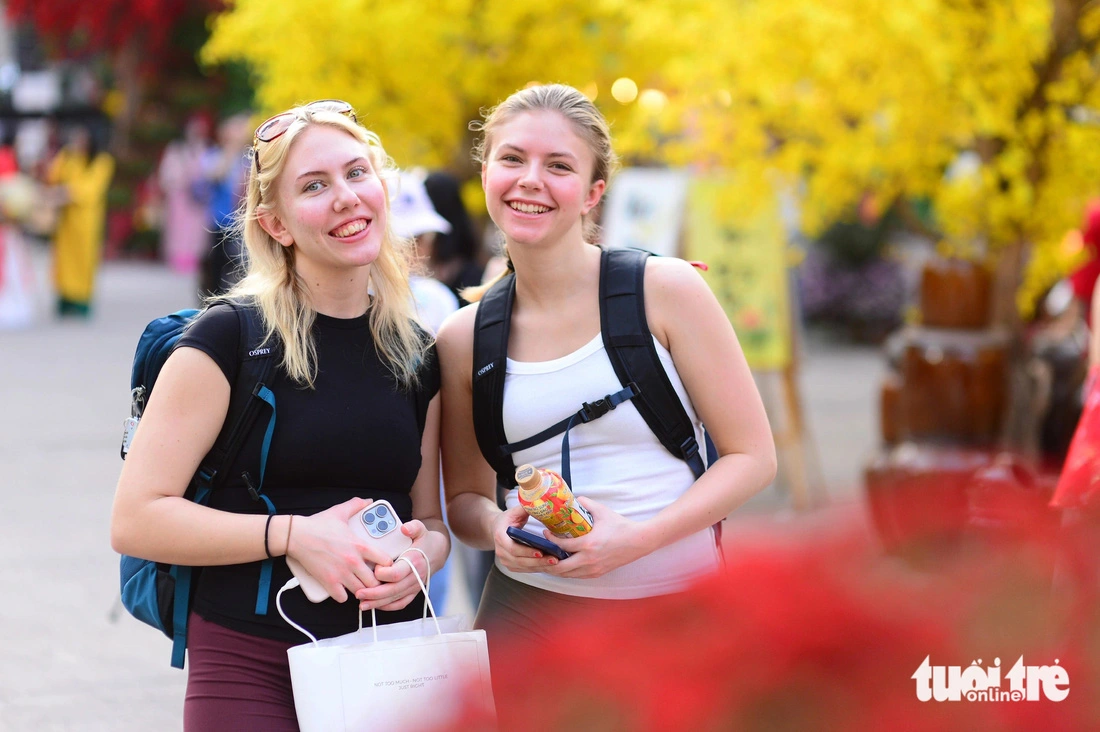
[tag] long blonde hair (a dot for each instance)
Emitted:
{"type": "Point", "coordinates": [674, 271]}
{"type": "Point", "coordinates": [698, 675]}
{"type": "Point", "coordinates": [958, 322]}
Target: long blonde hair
{"type": "Point", "coordinates": [589, 125]}
{"type": "Point", "coordinates": [280, 293]}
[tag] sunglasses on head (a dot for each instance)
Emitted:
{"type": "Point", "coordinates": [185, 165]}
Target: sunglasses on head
{"type": "Point", "coordinates": [274, 127]}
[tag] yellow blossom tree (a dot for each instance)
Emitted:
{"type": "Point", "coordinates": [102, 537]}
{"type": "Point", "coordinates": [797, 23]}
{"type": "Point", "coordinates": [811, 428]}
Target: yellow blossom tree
{"type": "Point", "coordinates": [987, 108]}
{"type": "Point", "coordinates": [420, 72]}
{"type": "Point", "coordinates": [980, 106]}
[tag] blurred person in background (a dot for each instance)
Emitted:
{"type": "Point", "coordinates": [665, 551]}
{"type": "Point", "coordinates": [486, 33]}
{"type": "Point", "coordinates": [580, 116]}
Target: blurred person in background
{"type": "Point", "coordinates": [1076, 492]}
{"type": "Point", "coordinates": [454, 257]}
{"type": "Point", "coordinates": [1063, 342]}
{"type": "Point", "coordinates": [1057, 347]}
{"type": "Point", "coordinates": [413, 217]}
{"type": "Point", "coordinates": [224, 170]}
{"type": "Point", "coordinates": [18, 197]}
{"type": "Point", "coordinates": [79, 176]}
{"type": "Point", "coordinates": [184, 234]}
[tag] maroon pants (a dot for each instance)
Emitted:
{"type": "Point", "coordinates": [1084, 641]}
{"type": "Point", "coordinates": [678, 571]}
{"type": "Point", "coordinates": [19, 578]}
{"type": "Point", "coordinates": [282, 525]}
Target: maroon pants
{"type": "Point", "coordinates": [236, 682]}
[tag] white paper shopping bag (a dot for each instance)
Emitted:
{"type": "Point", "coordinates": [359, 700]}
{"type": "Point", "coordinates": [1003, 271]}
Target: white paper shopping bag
{"type": "Point", "coordinates": [404, 676]}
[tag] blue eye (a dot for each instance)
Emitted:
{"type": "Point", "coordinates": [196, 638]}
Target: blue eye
{"type": "Point", "coordinates": [312, 187]}
{"type": "Point", "coordinates": [357, 172]}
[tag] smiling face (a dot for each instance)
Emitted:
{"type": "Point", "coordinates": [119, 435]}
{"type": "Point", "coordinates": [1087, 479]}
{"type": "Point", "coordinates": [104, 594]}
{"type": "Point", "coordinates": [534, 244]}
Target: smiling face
{"type": "Point", "coordinates": [330, 205]}
{"type": "Point", "coordinates": [537, 177]}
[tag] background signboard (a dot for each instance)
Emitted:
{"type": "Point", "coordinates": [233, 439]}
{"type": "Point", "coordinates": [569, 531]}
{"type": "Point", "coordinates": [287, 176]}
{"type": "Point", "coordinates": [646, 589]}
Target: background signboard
{"type": "Point", "coordinates": [645, 209]}
{"type": "Point", "coordinates": [745, 246]}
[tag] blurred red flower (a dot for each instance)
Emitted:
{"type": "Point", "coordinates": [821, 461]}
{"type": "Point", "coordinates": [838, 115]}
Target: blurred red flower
{"type": "Point", "coordinates": [824, 631]}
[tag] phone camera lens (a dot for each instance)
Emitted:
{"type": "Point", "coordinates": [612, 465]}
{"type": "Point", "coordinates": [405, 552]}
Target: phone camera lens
{"type": "Point", "coordinates": [382, 511]}
{"type": "Point", "coordinates": [382, 526]}
{"type": "Point", "coordinates": [368, 518]}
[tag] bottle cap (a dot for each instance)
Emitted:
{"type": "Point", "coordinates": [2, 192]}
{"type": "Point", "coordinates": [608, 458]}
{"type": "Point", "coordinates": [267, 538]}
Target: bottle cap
{"type": "Point", "coordinates": [528, 476]}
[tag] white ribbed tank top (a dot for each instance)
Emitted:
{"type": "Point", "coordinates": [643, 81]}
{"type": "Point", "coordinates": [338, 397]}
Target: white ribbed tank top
{"type": "Point", "coordinates": [615, 460]}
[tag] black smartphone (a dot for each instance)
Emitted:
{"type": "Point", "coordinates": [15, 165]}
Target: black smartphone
{"type": "Point", "coordinates": [537, 542]}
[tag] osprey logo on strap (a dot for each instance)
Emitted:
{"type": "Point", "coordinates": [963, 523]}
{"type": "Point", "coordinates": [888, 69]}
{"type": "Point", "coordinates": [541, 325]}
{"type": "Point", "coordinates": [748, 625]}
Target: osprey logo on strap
{"type": "Point", "coordinates": [486, 369]}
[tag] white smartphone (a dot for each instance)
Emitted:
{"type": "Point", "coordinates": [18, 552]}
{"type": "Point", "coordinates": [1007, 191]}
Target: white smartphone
{"type": "Point", "coordinates": [376, 524]}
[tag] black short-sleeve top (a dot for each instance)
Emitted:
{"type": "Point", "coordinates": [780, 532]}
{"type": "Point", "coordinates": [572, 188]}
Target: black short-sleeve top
{"type": "Point", "coordinates": [356, 433]}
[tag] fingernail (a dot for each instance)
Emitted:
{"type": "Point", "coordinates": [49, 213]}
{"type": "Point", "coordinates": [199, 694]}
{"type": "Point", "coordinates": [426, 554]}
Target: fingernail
{"type": "Point", "coordinates": [553, 561]}
{"type": "Point", "coordinates": [538, 555]}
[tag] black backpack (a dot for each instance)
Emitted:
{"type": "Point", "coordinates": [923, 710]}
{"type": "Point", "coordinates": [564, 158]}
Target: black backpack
{"type": "Point", "coordinates": [630, 348]}
{"type": "Point", "coordinates": [160, 594]}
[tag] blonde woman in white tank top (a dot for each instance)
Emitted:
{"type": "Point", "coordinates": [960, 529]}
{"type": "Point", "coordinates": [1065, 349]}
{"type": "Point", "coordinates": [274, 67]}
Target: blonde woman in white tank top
{"type": "Point", "coordinates": [546, 158]}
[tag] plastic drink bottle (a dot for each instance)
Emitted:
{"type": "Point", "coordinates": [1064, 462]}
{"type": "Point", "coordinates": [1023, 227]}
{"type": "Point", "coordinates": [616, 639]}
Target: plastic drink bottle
{"type": "Point", "coordinates": [545, 495]}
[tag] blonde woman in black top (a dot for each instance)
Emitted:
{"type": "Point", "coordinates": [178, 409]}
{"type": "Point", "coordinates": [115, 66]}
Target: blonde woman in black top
{"type": "Point", "coordinates": [358, 419]}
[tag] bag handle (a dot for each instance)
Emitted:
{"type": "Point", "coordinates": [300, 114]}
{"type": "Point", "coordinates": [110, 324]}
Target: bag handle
{"type": "Point", "coordinates": [293, 582]}
{"type": "Point", "coordinates": [423, 586]}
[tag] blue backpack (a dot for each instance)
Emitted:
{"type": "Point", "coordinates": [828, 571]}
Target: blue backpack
{"type": "Point", "coordinates": [160, 594]}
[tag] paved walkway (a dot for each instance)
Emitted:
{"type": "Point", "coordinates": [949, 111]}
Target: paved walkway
{"type": "Point", "coordinates": [68, 661]}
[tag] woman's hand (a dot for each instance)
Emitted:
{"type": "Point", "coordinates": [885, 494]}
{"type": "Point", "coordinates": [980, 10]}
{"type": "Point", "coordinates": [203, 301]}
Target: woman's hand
{"type": "Point", "coordinates": [516, 557]}
{"type": "Point", "coordinates": [612, 542]}
{"type": "Point", "coordinates": [397, 584]}
{"type": "Point", "coordinates": [327, 549]}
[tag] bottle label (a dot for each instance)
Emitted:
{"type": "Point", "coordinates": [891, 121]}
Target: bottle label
{"type": "Point", "coordinates": [558, 509]}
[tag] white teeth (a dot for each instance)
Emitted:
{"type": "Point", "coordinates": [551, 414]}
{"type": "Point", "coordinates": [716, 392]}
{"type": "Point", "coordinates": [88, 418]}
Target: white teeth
{"type": "Point", "coordinates": [528, 208]}
{"type": "Point", "coordinates": [348, 229]}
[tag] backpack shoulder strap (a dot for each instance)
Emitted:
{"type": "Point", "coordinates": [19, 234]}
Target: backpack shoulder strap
{"type": "Point", "coordinates": [492, 324]}
{"type": "Point", "coordinates": [630, 348]}
{"type": "Point", "coordinates": [247, 395]}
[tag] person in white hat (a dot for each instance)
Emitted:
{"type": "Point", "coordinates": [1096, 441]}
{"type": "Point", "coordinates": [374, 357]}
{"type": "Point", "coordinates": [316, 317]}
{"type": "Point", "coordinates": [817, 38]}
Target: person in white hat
{"type": "Point", "coordinates": [413, 216]}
